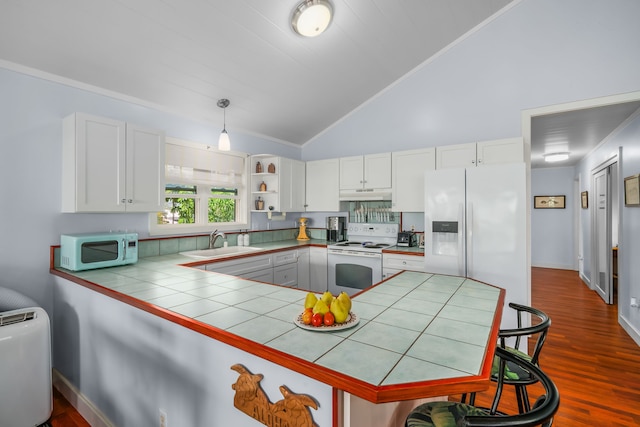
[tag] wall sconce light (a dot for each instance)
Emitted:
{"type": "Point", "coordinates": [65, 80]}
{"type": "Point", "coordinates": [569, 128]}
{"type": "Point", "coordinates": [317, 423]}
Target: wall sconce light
{"type": "Point", "coordinates": [311, 17]}
{"type": "Point", "coordinates": [224, 144]}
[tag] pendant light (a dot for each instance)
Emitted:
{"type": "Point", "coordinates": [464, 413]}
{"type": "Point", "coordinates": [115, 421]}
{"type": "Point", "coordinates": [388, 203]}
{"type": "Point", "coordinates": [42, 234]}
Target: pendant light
{"type": "Point", "coordinates": [224, 144]}
{"type": "Point", "coordinates": [311, 17]}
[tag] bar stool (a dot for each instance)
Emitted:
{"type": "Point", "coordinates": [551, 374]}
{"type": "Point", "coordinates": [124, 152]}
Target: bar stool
{"type": "Point", "coordinates": [514, 376]}
{"type": "Point", "coordinates": [455, 414]}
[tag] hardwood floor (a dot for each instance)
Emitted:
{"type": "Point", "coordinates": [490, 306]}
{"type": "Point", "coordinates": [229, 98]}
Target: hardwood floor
{"type": "Point", "coordinates": [592, 360]}
{"type": "Point", "coordinates": [65, 415]}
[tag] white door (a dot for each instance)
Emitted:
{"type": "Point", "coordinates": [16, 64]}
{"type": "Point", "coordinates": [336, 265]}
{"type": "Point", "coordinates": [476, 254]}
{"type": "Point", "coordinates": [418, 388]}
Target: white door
{"type": "Point", "coordinates": [601, 269]}
{"type": "Point", "coordinates": [456, 156]}
{"type": "Point", "coordinates": [496, 223]}
{"type": "Point", "coordinates": [101, 159]}
{"type": "Point", "coordinates": [377, 170]}
{"type": "Point", "coordinates": [145, 170]}
{"type": "Point", "coordinates": [408, 169]}
{"type": "Point", "coordinates": [351, 173]}
{"type": "Point", "coordinates": [499, 151]}
{"type": "Point", "coordinates": [497, 231]}
{"type": "Point", "coordinates": [323, 185]}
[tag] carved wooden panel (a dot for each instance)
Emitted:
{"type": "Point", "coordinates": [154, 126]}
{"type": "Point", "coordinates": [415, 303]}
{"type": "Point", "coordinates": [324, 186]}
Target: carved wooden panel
{"type": "Point", "coordinates": [291, 411]}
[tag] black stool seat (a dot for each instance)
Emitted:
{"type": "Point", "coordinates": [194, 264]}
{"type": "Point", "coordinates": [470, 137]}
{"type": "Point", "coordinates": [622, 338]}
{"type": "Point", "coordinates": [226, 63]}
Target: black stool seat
{"type": "Point", "coordinates": [442, 414]}
{"type": "Point", "coordinates": [456, 414]}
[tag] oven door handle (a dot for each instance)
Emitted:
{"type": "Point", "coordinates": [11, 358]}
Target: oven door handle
{"type": "Point", "coordinates": [341, 252]}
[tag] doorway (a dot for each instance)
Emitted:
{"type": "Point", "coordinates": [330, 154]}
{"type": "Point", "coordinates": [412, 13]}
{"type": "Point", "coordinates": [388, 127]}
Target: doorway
{"type": "Point", "coordinates": [604, 221]}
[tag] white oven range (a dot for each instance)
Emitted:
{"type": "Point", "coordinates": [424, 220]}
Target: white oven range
{"type": "Point", "coordinates": [356, 264]}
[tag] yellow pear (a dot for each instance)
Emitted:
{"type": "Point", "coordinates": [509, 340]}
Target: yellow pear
{"type": "Point", "coordinates": [327, 297]}
{"type": "Point", "coordinates": [339, 311]}
{"type": "Point", "coordinates": [310, 300]}
{"type": "Point", "coordinates": [346, 301]}
{"type": "Point", "coordinates": [320, 307]}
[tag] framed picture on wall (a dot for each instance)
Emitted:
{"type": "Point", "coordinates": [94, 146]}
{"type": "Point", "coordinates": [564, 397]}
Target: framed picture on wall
{"type": "Point", "coordinates": [584, 199]}
{"type": "Point", "coordinates": [549, 202]}
{"type": "Point", "coordinates": [632, 190]}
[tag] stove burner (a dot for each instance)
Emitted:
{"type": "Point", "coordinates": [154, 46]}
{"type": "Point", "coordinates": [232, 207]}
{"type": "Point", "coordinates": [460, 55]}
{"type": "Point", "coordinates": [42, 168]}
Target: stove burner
{"type": "Point", "coordinates": [364, 245]}
{"type": "Point", "coordinates": [374, 245]}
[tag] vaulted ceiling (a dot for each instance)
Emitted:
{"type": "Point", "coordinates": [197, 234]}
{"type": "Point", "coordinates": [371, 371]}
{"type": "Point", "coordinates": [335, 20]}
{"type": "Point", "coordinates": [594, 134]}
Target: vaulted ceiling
{"type": "Point", "coordinates": [184, 55]}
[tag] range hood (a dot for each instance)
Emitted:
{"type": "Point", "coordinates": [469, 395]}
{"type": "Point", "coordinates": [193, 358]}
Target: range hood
{"type": "Point", "coordinates": [365, 194]}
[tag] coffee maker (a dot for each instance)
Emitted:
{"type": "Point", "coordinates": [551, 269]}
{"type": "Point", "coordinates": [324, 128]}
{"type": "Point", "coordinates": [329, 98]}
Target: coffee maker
{"type": "Point", "coordinates": [336, 228]}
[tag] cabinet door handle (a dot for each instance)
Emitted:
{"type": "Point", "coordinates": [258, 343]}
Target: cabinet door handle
{"type": "Point", "coordinates": [130, 201]}
{"type": "Point", "coordinates": [123, 201]}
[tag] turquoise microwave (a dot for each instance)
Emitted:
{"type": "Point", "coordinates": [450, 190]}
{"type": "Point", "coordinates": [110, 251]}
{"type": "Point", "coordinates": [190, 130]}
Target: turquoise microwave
{"type": "Point", "coordinates": [98, 250]}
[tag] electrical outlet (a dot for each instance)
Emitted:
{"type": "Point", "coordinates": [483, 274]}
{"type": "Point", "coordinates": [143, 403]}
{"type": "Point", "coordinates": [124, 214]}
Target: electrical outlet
{"type": "Point", "coordinates": [163, 418]}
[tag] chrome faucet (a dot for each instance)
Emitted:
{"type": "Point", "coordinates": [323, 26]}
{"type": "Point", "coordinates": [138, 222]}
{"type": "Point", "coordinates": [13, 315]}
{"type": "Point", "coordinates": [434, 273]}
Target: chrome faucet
{"type": "Point", "coordinates": [213, 237]}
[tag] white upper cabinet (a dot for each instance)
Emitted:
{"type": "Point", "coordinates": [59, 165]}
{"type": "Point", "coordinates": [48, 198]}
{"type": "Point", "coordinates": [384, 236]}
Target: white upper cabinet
{"type": "Point", "coordinates": [365, 172]}
{"type": "Point", "coordinates": [351, 172]}
{"type": "Point", "coordinates": [145, 175]}
{"type": "Point", "coordinates": [323, 180]}
{"type": "Point", "coordinates": [408, 178]}
{"type": "Point", "coordinates": [507, 150]}
{"type": "Point", "coordinates": [111, 166]}
{"type": "Point", "coordinates": [292, 185]}
{"type": "Point", "coordinates": [456, 156]}
{"type": "Point", "coordinates": [279, 182]}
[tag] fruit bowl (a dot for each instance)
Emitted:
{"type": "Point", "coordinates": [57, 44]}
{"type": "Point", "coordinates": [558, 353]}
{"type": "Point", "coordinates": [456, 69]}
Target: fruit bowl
{"type": "Point", "coordinates": [352, 320]}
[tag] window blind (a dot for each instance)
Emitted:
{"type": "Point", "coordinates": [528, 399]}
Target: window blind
{"type": "Point", "coordinates": [196, 163]}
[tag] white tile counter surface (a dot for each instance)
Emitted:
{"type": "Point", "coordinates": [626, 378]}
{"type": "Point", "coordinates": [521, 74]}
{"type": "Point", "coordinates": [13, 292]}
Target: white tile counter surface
{"type": "Point", "coordinates": [413, 327]}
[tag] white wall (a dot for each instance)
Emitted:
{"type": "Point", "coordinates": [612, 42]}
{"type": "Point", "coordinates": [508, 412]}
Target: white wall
{"type": "Point", "coordinates": [552, 230]}
{"type": "Point", "coordinates": [538, 53]}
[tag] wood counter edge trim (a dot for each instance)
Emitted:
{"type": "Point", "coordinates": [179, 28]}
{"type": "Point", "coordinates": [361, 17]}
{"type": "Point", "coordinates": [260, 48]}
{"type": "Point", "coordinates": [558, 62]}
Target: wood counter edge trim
{"type": "Point", "coordinates": [401, 252]}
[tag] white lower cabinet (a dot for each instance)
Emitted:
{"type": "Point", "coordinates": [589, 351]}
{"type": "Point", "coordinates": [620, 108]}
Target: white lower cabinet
{"type": "Point", "coordinates": [395, 263]}
{"type": "Point", "coordinates": [286, 275]}
{"type": "Point", "coordinates": [303, 268]}
{"type": "Point", "coordinates": [265, 276]}
{"type": "Point", "coordinates": [287, 268]}
{"type": "Point", "coordinates": [318, 269]}
{"type": "Point", "coordinates": [243, 266]}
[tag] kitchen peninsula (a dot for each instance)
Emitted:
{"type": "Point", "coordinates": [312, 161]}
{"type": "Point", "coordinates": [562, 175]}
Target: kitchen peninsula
{"type": "Point", "coordinates": [163, 334]}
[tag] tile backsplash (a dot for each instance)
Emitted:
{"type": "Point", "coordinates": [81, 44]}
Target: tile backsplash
{"type": "Point", "coordinates": [156, 247]}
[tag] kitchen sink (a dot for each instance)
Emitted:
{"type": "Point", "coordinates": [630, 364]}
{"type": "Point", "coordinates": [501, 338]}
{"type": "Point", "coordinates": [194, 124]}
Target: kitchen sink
{"type": "Point", "coordinates": [220, 252]}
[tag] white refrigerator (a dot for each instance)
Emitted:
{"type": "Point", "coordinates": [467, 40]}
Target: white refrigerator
{"type": "Point", "coordinates": [476, 226]}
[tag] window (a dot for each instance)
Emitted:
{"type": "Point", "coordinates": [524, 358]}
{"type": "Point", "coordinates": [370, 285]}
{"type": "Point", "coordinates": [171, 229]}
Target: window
{"type": "Point", "coordinates": [205, 190]}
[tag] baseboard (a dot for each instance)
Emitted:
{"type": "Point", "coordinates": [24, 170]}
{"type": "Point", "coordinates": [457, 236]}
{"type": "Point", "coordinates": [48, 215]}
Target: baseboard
{"type": "Point", "coordinates": [586, 280]}
{"type": "Point", "coordinates": [629, 329]}
{"type": "Point", "coordinates": [83, 405]}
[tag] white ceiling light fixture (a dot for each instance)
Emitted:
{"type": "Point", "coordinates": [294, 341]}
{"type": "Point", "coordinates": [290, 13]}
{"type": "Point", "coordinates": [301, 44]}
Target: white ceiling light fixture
{"type": "Point", "coordinates": [224, 144]}
{"type": "Point", "coordinates": [556, 157]}
{"type": "Point", "coordinates": [311, 17]}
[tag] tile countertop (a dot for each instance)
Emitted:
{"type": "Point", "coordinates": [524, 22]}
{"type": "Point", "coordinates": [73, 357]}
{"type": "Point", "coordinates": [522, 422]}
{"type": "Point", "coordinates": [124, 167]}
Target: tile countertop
{"type": "Point", "coordinates": [418, 332]}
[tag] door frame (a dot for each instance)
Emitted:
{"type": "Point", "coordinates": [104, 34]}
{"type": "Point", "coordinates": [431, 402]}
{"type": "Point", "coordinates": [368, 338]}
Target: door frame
{"type": "Point", "coordinates": [606, 294]}
{"type": "Point", "coordinates": [527, 116]}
